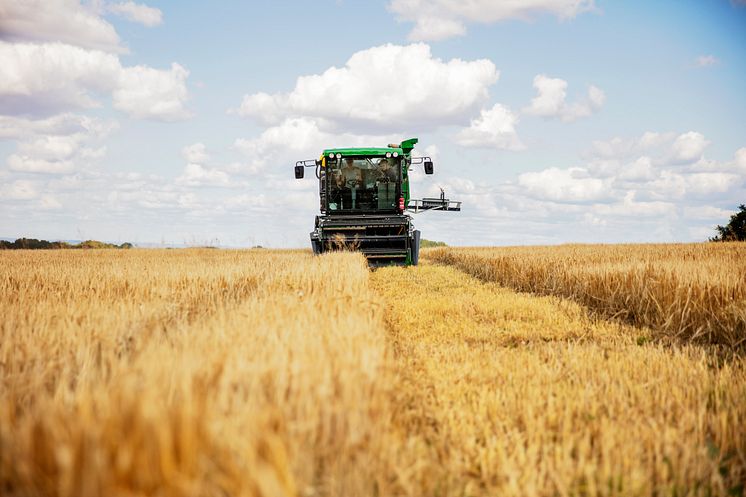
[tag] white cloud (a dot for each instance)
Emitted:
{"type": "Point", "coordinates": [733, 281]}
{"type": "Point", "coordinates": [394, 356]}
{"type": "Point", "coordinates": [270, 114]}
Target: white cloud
{"type": "Point", "coordinates": [439, 19]}
{"type": "Point", "coordinates": [551, 100]}
{"type": "Point", "coordinates": [295, 139]}
{"type": "Point", "coordinates": [707, 212]}
{"type": "Point", "coordinates": [195, 153]}
{"type": "Point", "coordinates": [435, 29]}
{"type": "Point", "coordinates": [660, 149]}
{"type": "Point", "coordinates": [621, 148]}
{"type": "Point", "coordinates": [30, 164]}
{"type": "Point", "coordinates": [631, 208]}
{"type": "Point", "coordinates": [639, 170]}
{"type": "Point", "coordinates": [53, 76]}
{"type": "Point", "coordinates": [740, 160]}
{"type": "Point", "coordinates": [65, 21]}
{"type": "Point", "coordinates": [386, 87]}
{"type": "Point", "coordinates": [628, 190]}
{"type": "Point", "coordinates": [494, 128]}
{"type": "Point", "coordinates": [564, 185]}
{"type": "Point", "coordinates": [61, 124]}
{"type": "Point", "coordinates": [706, 61]}
{"type": "Point", "coordinates": [199, 175]}
{"type": "Point", "coordinates": [147, 93]}
{"type": "Point", "coordinates": [689, 147]}
{"type": "Point", "coordinates": [137, 12]}
{"type": "Point", "coordinates": [19, 190]}
{"type": "Point", "coordinates": [56, 145]}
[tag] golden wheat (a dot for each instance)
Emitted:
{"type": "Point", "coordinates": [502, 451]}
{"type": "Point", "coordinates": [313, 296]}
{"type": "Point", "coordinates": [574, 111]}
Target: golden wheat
{"type": "Point", "coordinates": [263, 373]}
{"type": "Point", "coordinates": [509, 394]}
{"type": "Point", "coordinates": [189, 373]}
{"type": "Point", "coordinates": [685, 291]}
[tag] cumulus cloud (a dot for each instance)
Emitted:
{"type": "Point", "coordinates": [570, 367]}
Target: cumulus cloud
{"type": "Point", "coordinates": [689, 147]}
{"type": "Point", "coordinates": [551, 100]}
{"type": "Point", "coordinates": [47, 78]}
{"type": "Point", "coordinates": [295, 139]}
{"type": "Point", "coordinates": [31, 164]}
{"type": "Point", "coordinates": [195, 153]}
{"type": "Point", "coordinates": [19, 190]}
{"type": "Point", "coordinates": [137, 12]}
{"type": "Point", "coordinates": [627, 189]}
{"type": "Point", "coordinates": [740, 160]}
{"type": "Point", "coordinates": [624, 148]}
{"type": "Point", "coordinates": [13, 127]}
{"type": "Point", "coordinates": [493, 128]}
{"type": "Point", "coordinates": [440, 19]}
{"type": "Point", "coordinates": [199, 175]}
{"type": "Point", "coordinates": [564, 185]}
{"type": "Point", "coordinates": [66, 21]}
{"type": "Point", "coordinates": [380, 88]}
{"type": "Point", "coordinates": [670, 167]}
{"type": "Point", "coordinates": [659, 149]}
{"type": "Point", "coordinates": [147, 93]}
{"type": "Point", "coordinates": [57, 145]}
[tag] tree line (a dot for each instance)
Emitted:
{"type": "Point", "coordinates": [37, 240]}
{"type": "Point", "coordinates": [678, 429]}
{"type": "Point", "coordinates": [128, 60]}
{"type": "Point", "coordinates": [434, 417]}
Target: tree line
{"type": "Point", "coordinates": [34, 244]}
{"type": "Point", "coordinates": [735, 230]}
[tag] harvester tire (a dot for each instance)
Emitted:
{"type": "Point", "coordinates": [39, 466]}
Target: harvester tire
{"type": "Point", "coordinates": [415, 247]}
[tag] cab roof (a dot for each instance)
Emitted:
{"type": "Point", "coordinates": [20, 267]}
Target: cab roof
{"type": "Point", "coordinates": [403, 148]}
{"type": "Point", "coordinates": [363, 151]}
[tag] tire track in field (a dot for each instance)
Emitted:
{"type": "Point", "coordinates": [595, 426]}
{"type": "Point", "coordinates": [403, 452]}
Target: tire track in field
{"type": "Point", "coordinates": [500, 393]}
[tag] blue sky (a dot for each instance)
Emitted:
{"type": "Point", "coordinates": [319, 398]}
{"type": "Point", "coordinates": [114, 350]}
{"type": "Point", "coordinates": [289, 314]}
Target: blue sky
{"type": "Point", "coordinates": [554, 121]}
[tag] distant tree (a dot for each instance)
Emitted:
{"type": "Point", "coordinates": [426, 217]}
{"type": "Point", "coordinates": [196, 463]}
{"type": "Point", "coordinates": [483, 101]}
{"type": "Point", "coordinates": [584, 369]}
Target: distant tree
{"type": "Point", "coordinates": [735, 230]}
{"type": "Point", "coordinates": [34, 244]}
{"type": "Point", "coordinates": [430, 243]}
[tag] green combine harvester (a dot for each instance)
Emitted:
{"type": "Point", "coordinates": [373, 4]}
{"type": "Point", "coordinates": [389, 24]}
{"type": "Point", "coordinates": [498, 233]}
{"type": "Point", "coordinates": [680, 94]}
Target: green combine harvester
{"type": "Point", "coordinates": [364, 197]}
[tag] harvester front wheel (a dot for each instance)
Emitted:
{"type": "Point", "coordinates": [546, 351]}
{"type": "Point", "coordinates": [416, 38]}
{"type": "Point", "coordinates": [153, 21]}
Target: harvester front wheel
{"type": "Point", "coordinates": [415, 247]}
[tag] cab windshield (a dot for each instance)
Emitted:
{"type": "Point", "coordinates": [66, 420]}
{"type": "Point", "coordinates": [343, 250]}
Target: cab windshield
{"type": "Point", "coordinates": [363, 184]}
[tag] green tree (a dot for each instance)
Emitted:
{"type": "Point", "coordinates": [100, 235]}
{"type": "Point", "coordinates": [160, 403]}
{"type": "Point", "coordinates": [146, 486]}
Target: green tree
{"type": "Point", "coordinates": [735, 230]}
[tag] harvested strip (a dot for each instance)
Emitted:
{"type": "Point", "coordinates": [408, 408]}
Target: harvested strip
{"type": "Point", "coordinates": [684, 292]}
{"type": "Point", "coordinates": [511, 394]}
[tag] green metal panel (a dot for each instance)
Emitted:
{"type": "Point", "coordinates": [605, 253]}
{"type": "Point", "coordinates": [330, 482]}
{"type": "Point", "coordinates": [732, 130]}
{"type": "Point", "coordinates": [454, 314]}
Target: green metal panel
{"type": "Point", "coordinates": [363, 151]}
{"type": "Point", "coordinates": [405, 148]}
{"type": "Point", "coordinates": [408, 145]}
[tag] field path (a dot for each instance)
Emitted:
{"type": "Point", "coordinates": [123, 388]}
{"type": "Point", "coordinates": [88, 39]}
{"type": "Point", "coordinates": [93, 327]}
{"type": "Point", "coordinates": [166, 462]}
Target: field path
{"type": "Point", "coordinates": [501, 393]}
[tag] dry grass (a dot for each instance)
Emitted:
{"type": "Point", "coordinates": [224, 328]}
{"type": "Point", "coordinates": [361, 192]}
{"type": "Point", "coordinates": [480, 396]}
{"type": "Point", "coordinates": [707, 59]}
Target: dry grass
{"type": "Point", "coordinates": [682, 291]}
{"type": "Point", "coordinates": [248, 373]}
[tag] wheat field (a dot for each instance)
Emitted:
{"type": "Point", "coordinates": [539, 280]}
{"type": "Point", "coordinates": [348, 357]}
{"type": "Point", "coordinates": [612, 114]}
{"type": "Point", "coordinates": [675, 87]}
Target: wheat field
{"type": "Point", "coordinates": [693, 291]}
{"type": "Point", "coordinates": [275, 373]}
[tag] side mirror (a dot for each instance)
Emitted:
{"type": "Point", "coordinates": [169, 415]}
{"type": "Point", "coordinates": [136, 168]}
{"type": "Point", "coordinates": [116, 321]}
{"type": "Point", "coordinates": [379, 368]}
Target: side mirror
{"type": "Point", "coordinates": [299, 172]}
{"type": "Point", "coordinates": [428, 167]}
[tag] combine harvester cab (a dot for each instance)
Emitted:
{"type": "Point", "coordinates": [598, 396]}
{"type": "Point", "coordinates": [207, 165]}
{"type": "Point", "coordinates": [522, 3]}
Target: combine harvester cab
{"type": "Point", "coordinates": [364, 196]}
